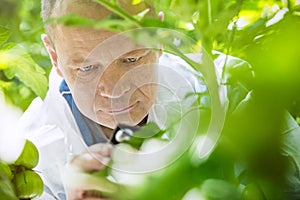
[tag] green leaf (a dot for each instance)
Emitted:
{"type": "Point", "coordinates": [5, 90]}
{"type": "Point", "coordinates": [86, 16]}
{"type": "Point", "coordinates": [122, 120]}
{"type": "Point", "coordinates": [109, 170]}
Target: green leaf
{"type": "Point", "coordinates": [17, 94]}
{"type": "Point", "coordinates": [184, 9]}
{"type": "Point", "coordinates": [219, 189]}
{"type": "Point", "coordinates": [151, 22]}
{"type": "Point", "coordinates": [73, 20]}
{"type": "Point", "coordinates": [291, 148]}
{"type": "Point", "coordinates": [297, 8]}
{"type": "Point", "coordinates": [22, 66]}
{"type": "Point", "coordinates": [6, 188]}
{"type": "Point", "coordinates": [4, 34]}
{"type": "Point", "coordinates": [117, 10]}
{"type": "Point", "coordinates": [135, 2]}
{"type": "Point", "coordinates": [237, 75]}
{"type": "Point", "coordinates": [149, 130]}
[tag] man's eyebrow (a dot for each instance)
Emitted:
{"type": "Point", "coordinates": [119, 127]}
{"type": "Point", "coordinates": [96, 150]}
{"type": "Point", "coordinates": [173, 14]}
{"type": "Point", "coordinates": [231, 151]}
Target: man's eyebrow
{"type": "Point", "coordinates": [140, 52]}
{"type": "Point", "coordinates": [79, 62]}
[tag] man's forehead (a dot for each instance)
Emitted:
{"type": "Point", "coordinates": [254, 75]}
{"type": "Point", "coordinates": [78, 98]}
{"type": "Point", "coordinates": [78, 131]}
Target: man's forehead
{"type": "Point", "coordinates": [69, 7]}
{"type": "Point", "coordinates": [77, 43]}
{"type": "Point", "coordinates": [102, 45]}
{"type": "Point", "coordinates": [82, 34]}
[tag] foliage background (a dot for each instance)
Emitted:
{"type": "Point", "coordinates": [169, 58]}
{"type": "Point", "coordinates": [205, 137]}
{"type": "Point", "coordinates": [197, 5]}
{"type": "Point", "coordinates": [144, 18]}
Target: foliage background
{"type": "Point", "coordinates": [262, 32]}
{"type": "Point", "coordinates": [23, 21]}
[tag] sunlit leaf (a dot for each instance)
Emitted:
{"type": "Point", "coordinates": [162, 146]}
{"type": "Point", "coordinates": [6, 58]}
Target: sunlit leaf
{"type": "Point", "coordinates": [17, 94]}
{"type": "Point", "coordinates": [184, 9]}
{"type": "Point", "coordinates": [21, 65]}
{"type": "Point", "coordinates": [142, 14]}
{"type": "Point", "coordinates": [4, 59]}
{"type": "Point", "coordinates": [135, 2]}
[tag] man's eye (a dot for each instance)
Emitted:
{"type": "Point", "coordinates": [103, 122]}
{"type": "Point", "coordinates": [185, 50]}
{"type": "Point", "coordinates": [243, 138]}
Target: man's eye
{"type": "Point", "coordinates": [131, 60]}
{"type": "Point", "coordinates": [86, 68]}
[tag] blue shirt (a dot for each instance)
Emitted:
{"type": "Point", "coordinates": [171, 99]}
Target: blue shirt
{"type": "Point", "coordinates": [90, 130]}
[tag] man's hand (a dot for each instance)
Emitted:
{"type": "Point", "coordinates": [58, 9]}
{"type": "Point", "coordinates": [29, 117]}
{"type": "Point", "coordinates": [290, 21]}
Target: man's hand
{"type": "Point", "coordinates": [94, 159]}
{"type": "Point", "coordinates": [80, 183]}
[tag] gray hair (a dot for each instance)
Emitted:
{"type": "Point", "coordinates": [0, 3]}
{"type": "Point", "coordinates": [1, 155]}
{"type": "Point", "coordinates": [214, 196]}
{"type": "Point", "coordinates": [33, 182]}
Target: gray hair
{"type": "Point", "coordinates": [47, 8]}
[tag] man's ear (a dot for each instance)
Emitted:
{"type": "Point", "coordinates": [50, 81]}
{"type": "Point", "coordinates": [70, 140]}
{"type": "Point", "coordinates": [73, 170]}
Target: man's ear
{"type": "Point", "coordinates": [52, 53]}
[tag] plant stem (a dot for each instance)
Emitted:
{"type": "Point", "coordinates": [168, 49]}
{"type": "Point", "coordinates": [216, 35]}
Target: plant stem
{"type": "Point", "coordinates": [231, 38]}
{"type": "Point", "coordinates": [115, 9]}
{"type": "Point", "coordinates": [209, 16]}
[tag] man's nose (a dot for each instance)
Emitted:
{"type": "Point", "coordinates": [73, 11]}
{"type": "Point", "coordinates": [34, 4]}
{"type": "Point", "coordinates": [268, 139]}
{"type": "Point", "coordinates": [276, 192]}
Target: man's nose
{"type": "Point", "coordinates": [113, 92]}
{"type": "Point", "coordinates": [113, 84]}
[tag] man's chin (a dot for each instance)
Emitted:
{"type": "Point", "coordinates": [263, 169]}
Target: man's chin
{"type": "Point", "coordinates": [113, 125]}
{"type": "Point", "coordinates": [112, 121]}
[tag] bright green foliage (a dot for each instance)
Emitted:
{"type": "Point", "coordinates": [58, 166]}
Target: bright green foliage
{"type": "Point", "coordinates": [29, 157]}
{"type": "Point", "coordinates": [252, 192]}
{"type": "Point", "coordinates": [21, 66]}
{"type": "Point", "coordinates": [6, 189]}
{"type": "Point", "coordinates": [5, 170]}
{"type": "Point", "coordinates": [24, 64]}
{"type": "Point", "coordinates": [4, 34]}
{"type": "Point", "coordinates": [18, 180]}
{"type": "Point", "coordinates": [219, 189]}
{"type": "Point", "coordinates": [28, 184]}
{"type": "Point", "coordinates": [21, 77]}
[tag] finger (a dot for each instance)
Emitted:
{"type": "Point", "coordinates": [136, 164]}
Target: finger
{"type": "Point", "coordinates": [81, 185]}
{"type": "Point", "coordinates": [95, 198]}
{"type": "Point", "coordinates": [89, 162]}
{"type": "Point", "coordinates": [104, 149]}
{"type": "Point", "coordinates": [79, 194]}
{"type": "Point", "coordinates": [93, 194]}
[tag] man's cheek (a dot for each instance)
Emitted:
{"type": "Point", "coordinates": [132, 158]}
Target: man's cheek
{"type": "Point", "coordinates": [149, 92]}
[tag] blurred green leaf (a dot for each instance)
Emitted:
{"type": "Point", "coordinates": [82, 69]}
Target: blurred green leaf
{"type": "Point", "coordinates": [135, 2]}
{"type": "Point", "coordinates": [17, 94]}
{"type": "Point", "coordinates": [73, 20]}
{"type": "Point", "coordinates": [237, 76]}
{"type": "Point", "coordinates": [4, 34]}
{"type": "Point", "coordinates": [120, 12]}
{"type": "Point", "coordinates": [149, 130]}
{"type": "Point", "coordinates": [21, 66]}
{"type": "Point", "coordinates": [5, 170]}
{"type": "Point", "coordinates": [6, 188]}
{"type": "Point", "coordinates": [216, 189]}
{"type": "Point", "coordinates": [252, 192]}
